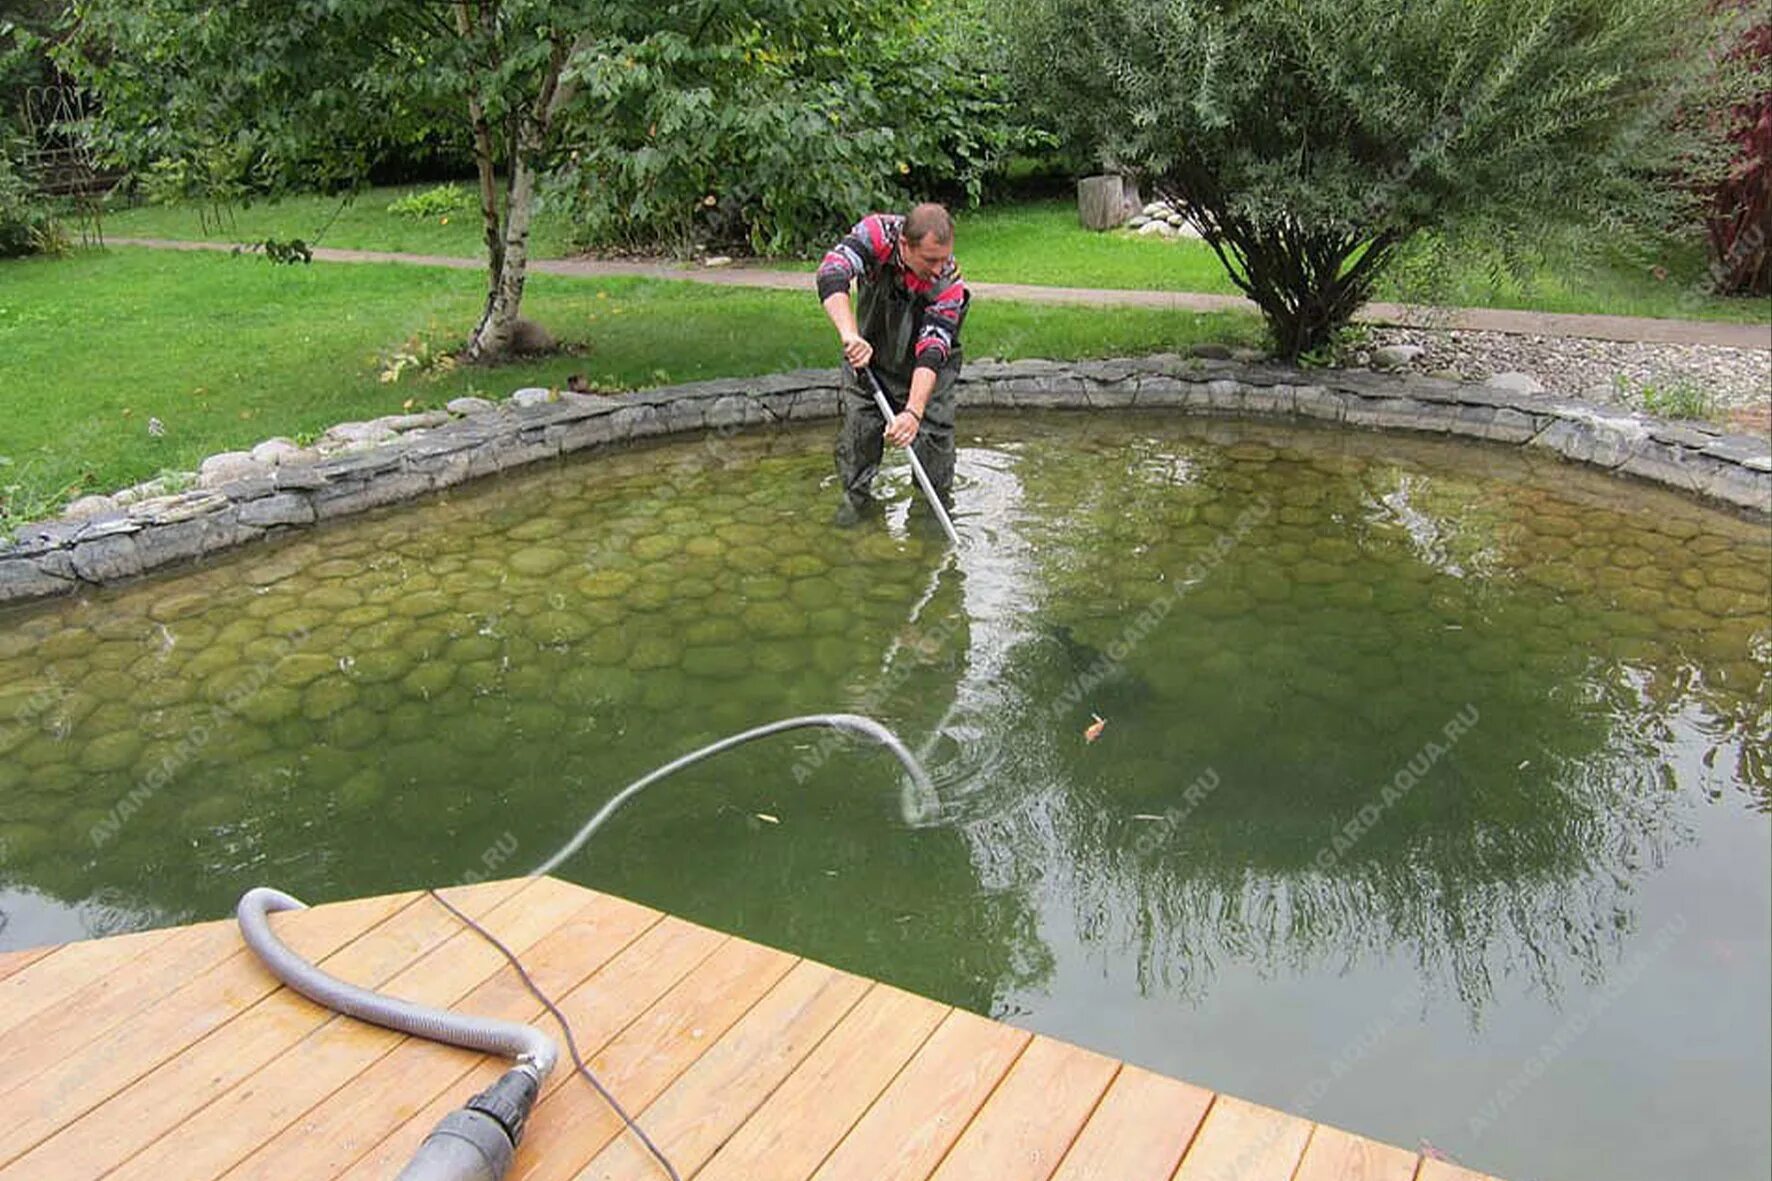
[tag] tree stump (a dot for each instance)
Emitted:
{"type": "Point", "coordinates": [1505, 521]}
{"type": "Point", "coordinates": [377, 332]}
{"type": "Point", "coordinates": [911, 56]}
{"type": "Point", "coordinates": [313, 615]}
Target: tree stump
{"type": "Point", "coordinates": [1101, 202]}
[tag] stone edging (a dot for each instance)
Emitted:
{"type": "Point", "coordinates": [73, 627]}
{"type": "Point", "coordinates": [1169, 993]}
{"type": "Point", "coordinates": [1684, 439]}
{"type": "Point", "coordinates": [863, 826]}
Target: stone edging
{"type": "Point", "coordinates": [248, 497]}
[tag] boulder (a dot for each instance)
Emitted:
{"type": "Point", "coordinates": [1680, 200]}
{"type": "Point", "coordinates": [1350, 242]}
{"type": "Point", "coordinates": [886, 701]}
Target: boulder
{"type": "Point", "coordinates": [227, 467]}
{"type": "Point", "coordinates": [1395, 356]}
{"type": "Point", "coordinates": [1516, 383]}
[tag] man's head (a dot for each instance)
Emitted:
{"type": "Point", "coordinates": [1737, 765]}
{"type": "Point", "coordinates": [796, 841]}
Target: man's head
{"type": "Point", "coordinates": [928, 240]}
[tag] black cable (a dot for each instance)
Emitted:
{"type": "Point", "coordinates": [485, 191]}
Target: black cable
{"type": "Point", "coordinates": [571, 1042]}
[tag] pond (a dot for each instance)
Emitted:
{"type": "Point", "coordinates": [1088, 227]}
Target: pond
{"type": "Point", "coordinates": [1432, 798]}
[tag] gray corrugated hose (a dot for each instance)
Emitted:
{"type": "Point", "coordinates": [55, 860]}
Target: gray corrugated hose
{"type": "Point", "coordinates": [478, 1141]}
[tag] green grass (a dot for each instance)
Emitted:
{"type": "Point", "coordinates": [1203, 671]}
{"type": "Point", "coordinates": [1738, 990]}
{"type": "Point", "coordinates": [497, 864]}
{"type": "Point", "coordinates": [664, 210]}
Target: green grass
{"type": "Point", "coordinates": [1037, 242]}
{"type": "Point", "coordinates": [228, 350]}
{"type": "Point", "coordinates": [359, 223]}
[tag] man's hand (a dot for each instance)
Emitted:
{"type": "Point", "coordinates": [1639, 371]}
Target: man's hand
{"type": "Point", "coordinates": [902, 430]}
{"type": "Point", "coordinates": [857, 351]}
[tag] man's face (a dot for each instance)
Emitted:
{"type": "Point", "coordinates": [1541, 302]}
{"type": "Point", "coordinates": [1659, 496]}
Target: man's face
{"type": "Point", "coordinates": [925, 259]}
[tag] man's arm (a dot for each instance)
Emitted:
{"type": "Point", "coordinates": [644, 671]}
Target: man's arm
{"type": "Point", "coordinates": [868, 243]}
{"type": "Point", "coordinates": [857, 351]}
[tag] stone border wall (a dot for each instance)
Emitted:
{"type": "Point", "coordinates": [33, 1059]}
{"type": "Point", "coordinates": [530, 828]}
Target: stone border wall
{"type": "Point", "coordinates": [277, 488]}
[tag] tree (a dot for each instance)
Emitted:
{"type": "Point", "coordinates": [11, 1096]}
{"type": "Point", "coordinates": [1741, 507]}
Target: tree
{"type": "Point", "coordinates": [256, 98]}
{"type": "Point", "coordinates": [1310, 140]}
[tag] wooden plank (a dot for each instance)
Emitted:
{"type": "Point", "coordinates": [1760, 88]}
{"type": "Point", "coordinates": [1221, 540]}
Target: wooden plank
{"type": "Point", "coordinates": [1438, 1170]}
{"type": "Point", "coordinates": [1242, 1141]}
{"type": "Point", "coordinates": [451, 963]}
{"type": "Point", "coordinates": [152, 1106]}
{"type": "Point", "coordinates": [1335, 1155]}
{"type": "Point", "coordinates": [89, 1014]}
{"type": "Point", "coordinates": [905, 1134]}
{"type": "Point", "coordinates": [325, 1141]}
{"type": "Point", "coordinates": [709, 1101]}
{"type": "Point", "coordinates": [598, 1011]}
{"type": "Point", "coordinates": [81, 1082]}
{"type": "Point", "coordinates": [13, 962]}
{"type": "Point", "coordinates": [1027, 1125]}
{"type": "Point", "coordinates": [638, 1065]}
{"type": "Point", "coordinates": [1140, 1131]}
{"type": "Point", "coordinates": [809, 1114]}
{"type": "Point", "coordinates": [47, 982]}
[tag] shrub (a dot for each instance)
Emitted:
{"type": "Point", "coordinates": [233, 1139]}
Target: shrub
{"type": "Point", "coordinates": [28, 224]}
{"type": "Point", "coordinates": [1311, 140]}
{"type": "Point", "coordinates": [442, 201]}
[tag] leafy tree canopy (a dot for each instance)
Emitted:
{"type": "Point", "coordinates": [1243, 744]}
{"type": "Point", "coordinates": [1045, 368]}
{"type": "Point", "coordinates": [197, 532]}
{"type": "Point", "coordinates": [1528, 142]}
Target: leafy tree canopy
{"type": "Point", "coordinates": [1310, 139]}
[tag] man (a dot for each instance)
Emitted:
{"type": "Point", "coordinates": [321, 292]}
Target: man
{"type": "Point", "coordinates": [912, 304]}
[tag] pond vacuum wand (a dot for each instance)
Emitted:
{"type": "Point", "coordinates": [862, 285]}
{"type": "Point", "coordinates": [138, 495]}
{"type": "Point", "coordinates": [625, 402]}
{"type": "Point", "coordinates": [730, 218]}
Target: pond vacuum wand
{"type": "Point", "coordinates": [941, 512]}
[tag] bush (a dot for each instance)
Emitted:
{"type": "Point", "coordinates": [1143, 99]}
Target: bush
{"type": "Point", "coordinates": [773, 131]}
{"type": "Point", "coordinates": [441, 201]}
{"type": "Point", "coordinates": [28, 224]}
{"type": "Point", "coordinates": [1312, 140]}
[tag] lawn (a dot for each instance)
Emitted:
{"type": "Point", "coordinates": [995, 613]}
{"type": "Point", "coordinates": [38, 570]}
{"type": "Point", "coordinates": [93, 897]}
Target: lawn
{"type": "Point", "coordinates": [1032, 242]}
{"type": "Point", "coordinates": [227, 350]}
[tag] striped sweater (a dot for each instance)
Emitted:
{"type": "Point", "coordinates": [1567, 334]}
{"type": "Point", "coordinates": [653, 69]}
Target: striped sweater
{"type": "Point", "coordinates": [869, 253]}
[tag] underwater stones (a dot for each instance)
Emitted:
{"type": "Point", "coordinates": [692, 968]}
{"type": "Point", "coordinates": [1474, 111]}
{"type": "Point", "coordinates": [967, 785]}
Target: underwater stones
{"type": "Point", "coordinates": [1682, 619]}
{"type": "Point", "coordinates": [1722, 601]}
{"type": "Point", "coordinates": [802, 566]}
{"type": "Point", "coordinates": [593, 686]}
{"type": "Point", "coordinates": [1350, 594]}
{"type": "Point", "coordinates": [298, 622]}
{"type": "Point", "coordinates": [1741, 578]}
{"type": "Point", "coordinates": [777, 658]}
{"type": "Point", "coordinates": [181, 605]}
{"type": "Point", "coordinates": [606, 584]}
{"type": "Point", "coordinates": [467, 649]}
{"type": "Point", "coordinates": [775, 620]}
{"type": "Point", "coordinates": [714, 631]}
{"type": "Point", "coordinates": [331, 598]}
{"type": "Point", "coordinates": [361, 791]}
{"type": "Point", "coordinates": [379, 665]}
{"type": "Point", "coordinates": [106, 685]}
{"type": "Point", "coordinates": [477, 733]}
{"type": "Point", "coordinates": [428, 680]}
{"type": "Point", "coordinates": [654, 652]}
{"type": "Point", "coordinates": [336, 568]}
{"type": "Point", "coordinates": [479, 677]}
{"type": "Point", "coordinates": [21, 845]}
{"type": "Point", "coordinates": [647, 597]}
{"type": "Point", "coordinates": [749, 559]}
{"type": "Point", "coordinates": [420, 605]}
{"type": "Point", "coordinates": [269, 705]}
{"type": "Point", "coordinates": [1251, 452]}
{"type": "Point", "coordinates": [324, 699]}
{"type": "Point", "coordinates": [67, 644]}
{"type": "Point", "coordinates": [704, 547]}
{"type": "Point", "coordinates": [813, 594]}
{"type": "Point", "coordinates": [1564, 578]}
{"type": "Point", "coordinates": [362, 616]}
{"type": "Point", "coordinates": [538, 561]}
{"type": "Point", "coordinates": [115, 751]}
{"type": "Point", "coordinates": [655, 547]}
{"type": "Point", "coordinates": [554, 629]}
{"type": "Point", "coordinates": [352, 729]}
{"type": "Point", "coordinates": [762, 588]}
{"type": "Point", "coordinates": [1313, 572]}
{"type": "Point", "coordinates": [719, 662]}
{"type": "Point", "coordinates": [536, 529]}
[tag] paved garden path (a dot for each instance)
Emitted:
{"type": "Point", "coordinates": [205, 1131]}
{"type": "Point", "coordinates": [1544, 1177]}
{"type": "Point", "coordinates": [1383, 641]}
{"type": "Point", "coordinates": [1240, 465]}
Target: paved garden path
{"type": "Point", "coordinates": [1625, 328]}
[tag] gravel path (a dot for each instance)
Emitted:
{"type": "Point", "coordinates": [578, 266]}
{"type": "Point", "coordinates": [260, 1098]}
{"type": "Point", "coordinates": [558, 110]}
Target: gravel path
{"type": "Point", "coordinates": [1598, 370]}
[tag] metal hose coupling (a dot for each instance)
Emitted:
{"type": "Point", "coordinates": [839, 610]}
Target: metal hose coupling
{"type": "Point", "coordinates": [477, 1141]}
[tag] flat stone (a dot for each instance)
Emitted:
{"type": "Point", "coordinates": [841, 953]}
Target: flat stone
{"type": "Point", "coordinates": [400, 423]}
{"type": "Point", "coordinates": [88, 507]}
{"type": "Point", "coordinates": [357, 433]}
{"type": "Point", "coordinates": [228, 467]}
{"type": "Point", "coordinates": [107, 559]}
{"type": "Point", "coordinates": [1395, 356]}
{"type": "Point", "coordinates": [532, 396]}
{"type": "Point", "coordinates": [284, 508]}
{"type": "Point", "coordinates": [273, 452]}
{"type": "Point", "coordinates": [469, 405]}
{"type": "Point", "coordinates": [1516, 383]}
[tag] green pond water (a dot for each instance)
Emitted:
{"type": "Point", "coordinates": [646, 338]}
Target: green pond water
{"type": "Point", "coordinates": [1432, 801]}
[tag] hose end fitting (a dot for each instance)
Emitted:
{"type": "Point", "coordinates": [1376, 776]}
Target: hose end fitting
{"type": "Point", "coordinates": [477, 1141]}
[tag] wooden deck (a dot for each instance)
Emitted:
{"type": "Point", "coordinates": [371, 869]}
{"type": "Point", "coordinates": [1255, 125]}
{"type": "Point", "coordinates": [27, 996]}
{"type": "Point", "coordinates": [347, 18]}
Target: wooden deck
{"type": "Point", "coordinates": [168, 1055]}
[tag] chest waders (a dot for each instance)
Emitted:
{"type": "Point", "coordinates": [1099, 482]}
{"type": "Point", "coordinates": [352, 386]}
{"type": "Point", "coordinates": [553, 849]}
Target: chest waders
{"type": "Point", "coordinates": [889, 319]}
